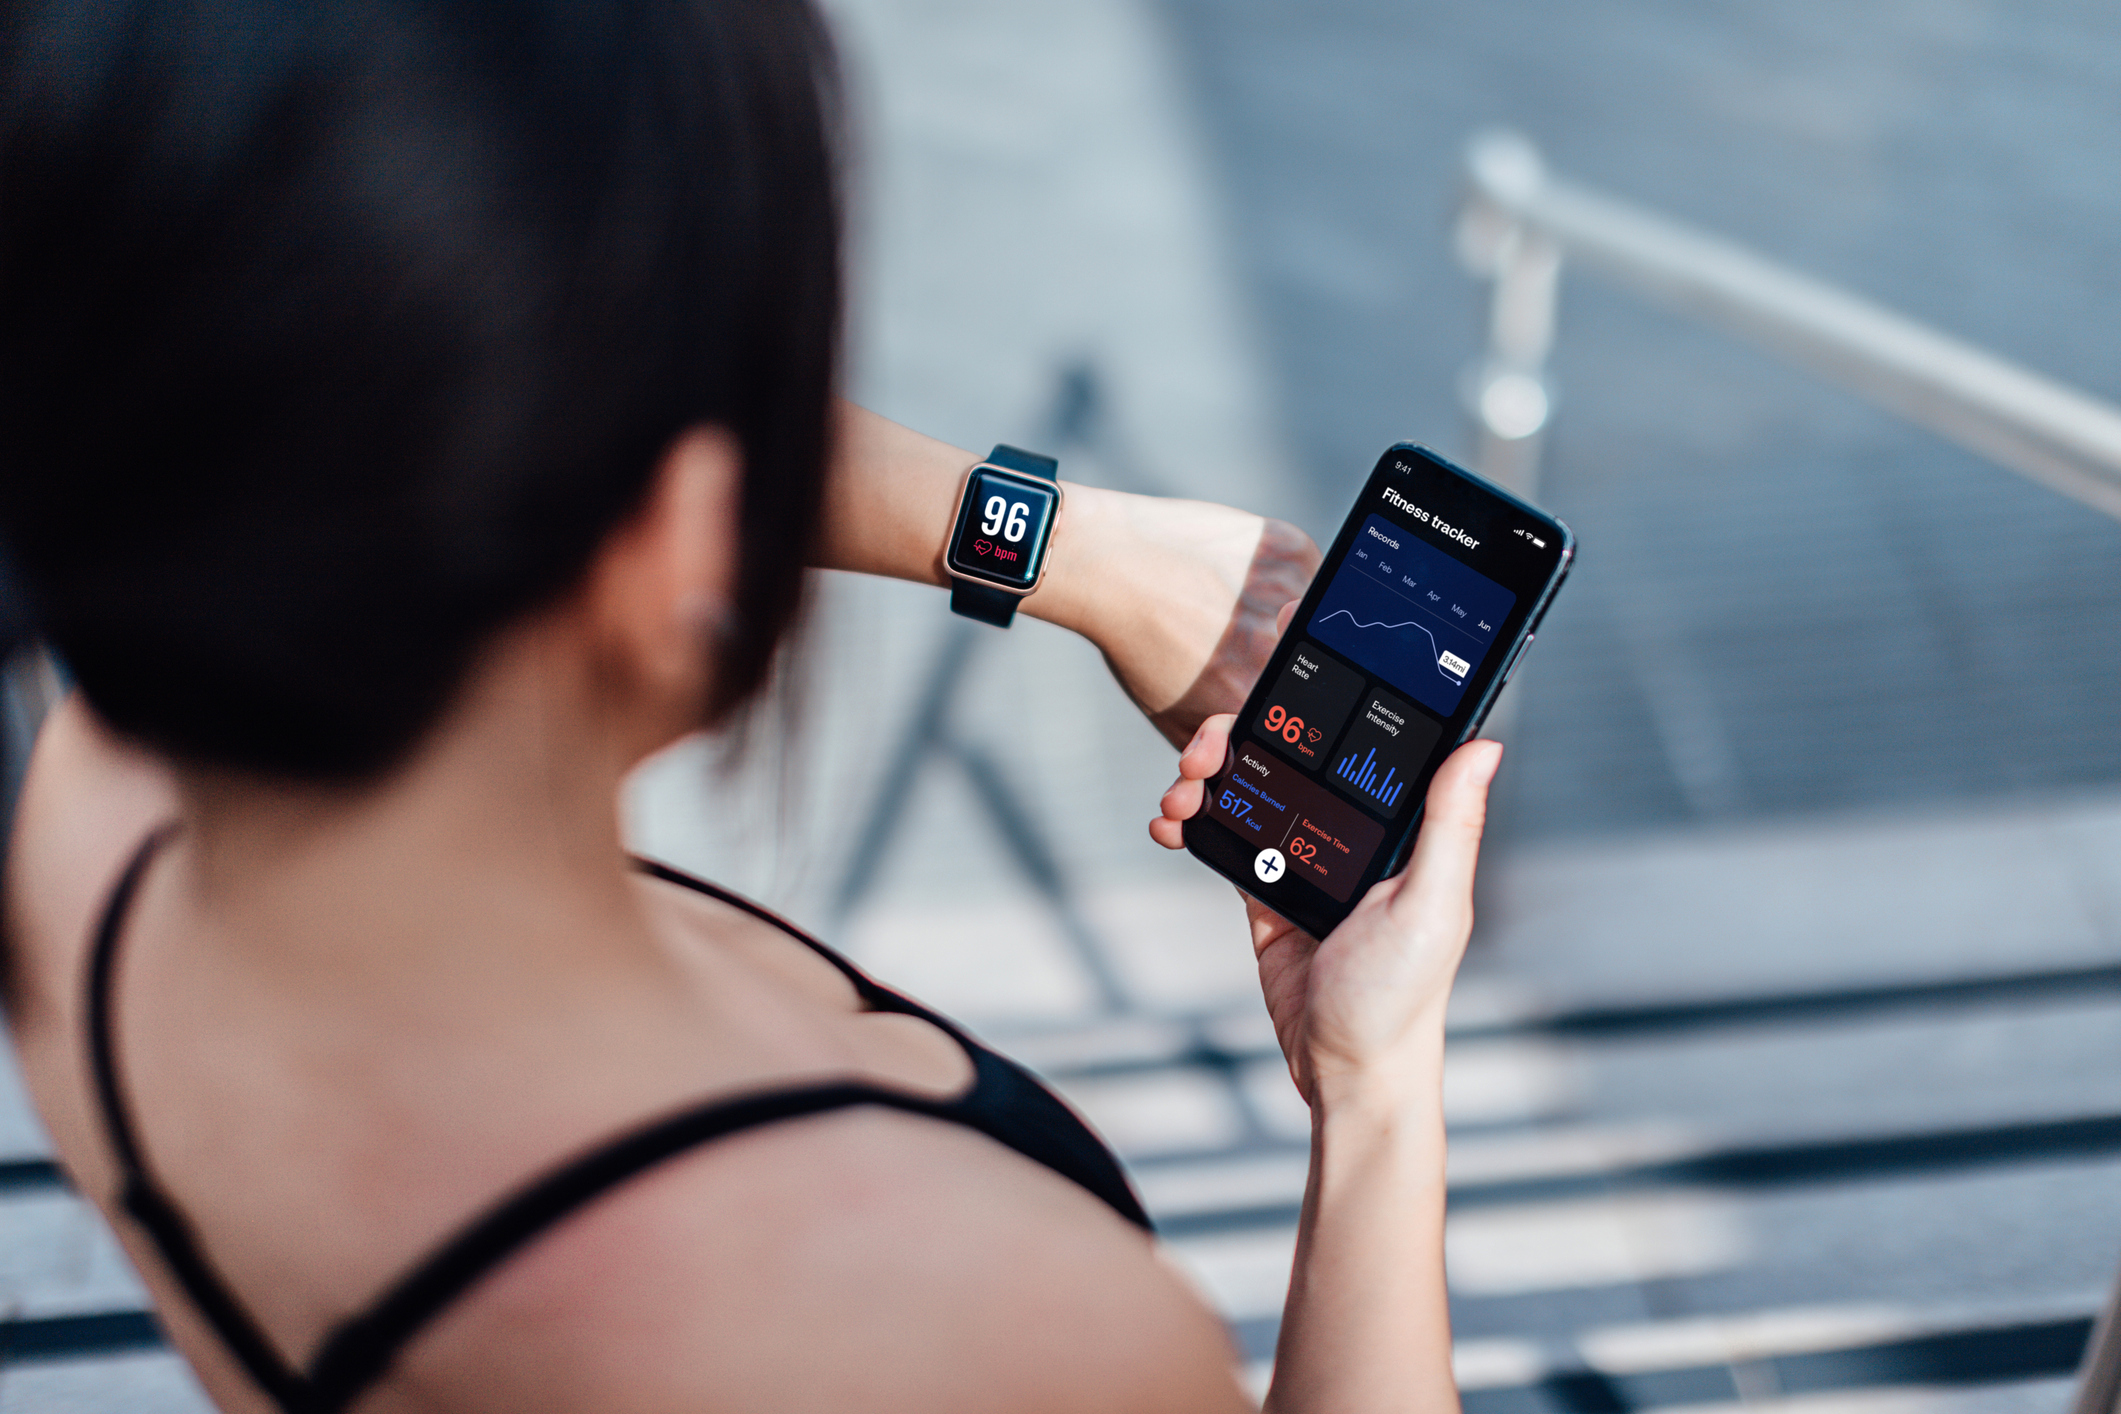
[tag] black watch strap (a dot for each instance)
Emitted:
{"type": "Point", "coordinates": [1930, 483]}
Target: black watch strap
{"type": "Point", "coordinates": [979, 601]}
{"type": "Point", "coordinates": [984, 602]}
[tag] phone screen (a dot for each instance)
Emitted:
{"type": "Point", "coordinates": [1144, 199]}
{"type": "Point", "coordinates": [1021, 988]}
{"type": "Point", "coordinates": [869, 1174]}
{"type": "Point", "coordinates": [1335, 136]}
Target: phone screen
{"type": "Point", "coordinates": [1429, 593]}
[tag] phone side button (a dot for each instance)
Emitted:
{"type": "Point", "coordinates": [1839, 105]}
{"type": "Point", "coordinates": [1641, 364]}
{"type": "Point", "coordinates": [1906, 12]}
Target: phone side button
{"type": "Point", "coordinates": [1516, 658]}
{"type": "Point", "coordinates": [1473, 727]}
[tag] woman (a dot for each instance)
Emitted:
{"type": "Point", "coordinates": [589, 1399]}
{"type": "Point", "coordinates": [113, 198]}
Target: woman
{"type": "Point", "coordinates": [415, 415]}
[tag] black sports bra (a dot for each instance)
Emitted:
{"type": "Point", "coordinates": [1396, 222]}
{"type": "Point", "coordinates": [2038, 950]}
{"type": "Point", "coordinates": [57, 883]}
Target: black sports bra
{"type": "Point", "coordinates": [1005, 1103]}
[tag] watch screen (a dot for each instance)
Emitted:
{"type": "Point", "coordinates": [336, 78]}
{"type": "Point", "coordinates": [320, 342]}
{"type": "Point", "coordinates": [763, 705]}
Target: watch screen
{"type": "Point", "coordinates": [1002, 527]}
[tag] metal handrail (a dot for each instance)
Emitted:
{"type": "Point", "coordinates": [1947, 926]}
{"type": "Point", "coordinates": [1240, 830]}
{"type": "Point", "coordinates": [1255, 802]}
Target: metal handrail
{"type": "Point", "coordinates": [1519, 223]}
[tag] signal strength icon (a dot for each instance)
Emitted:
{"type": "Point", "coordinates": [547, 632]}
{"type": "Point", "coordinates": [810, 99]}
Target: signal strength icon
{"type": "Point", "coordinates": [1364, 778]}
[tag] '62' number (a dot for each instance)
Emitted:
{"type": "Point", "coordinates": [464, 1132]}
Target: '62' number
{"type": "Point", "coordinates": [1291, 728]}
{"type": "Point", "coordinates": [1009, 517]}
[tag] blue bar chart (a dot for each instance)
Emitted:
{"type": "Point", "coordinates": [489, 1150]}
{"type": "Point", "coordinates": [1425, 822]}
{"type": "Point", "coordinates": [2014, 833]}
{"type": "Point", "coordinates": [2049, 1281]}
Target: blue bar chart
{"type": "Point", "coordinates": [1363, 776]}
{"type": "Point", "coordinates": [1384, 748]}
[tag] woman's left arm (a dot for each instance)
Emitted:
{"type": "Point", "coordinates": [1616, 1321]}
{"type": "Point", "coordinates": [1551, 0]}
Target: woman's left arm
{"type": "Point", "coordinates": [1180, 596]}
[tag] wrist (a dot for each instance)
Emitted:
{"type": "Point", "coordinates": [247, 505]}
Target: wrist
{"type": "Point", "coordinates": [1356, 1138]}
{"type": "Point", "coordinates": [1085, 565]}
{"type": "Point", "coordinates": [1396, 1085]}
{"type": "Point", "coordinates": [1354, 1130]}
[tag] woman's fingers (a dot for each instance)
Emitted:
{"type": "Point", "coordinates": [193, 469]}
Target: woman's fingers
{"type": "Point", "coordinates": [1438, 885]}
{"type": "Point", "coordinates": [1202, 758]}
{"type": "Point", "coordinates": [1203, 755]}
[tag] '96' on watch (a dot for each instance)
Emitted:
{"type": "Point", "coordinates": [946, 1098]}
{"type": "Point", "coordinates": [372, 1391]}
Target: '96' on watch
{"type": "Point", "coordinates": [997, 549]}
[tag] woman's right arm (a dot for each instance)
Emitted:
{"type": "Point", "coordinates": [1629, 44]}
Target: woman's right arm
{"type": "Point", "coordinates": [1360, 1016]}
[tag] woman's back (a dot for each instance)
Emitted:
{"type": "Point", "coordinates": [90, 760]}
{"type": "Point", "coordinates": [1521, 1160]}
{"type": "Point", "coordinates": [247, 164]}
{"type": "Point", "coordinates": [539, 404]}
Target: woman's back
{"type": "Point", "coordinates": [375, 1122]}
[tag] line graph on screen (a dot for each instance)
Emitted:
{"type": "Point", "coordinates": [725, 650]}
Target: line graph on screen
{"type": "Point", "coordinates": [1448, 663]}
{"type": "Point", "coordinates": [1410, 614]}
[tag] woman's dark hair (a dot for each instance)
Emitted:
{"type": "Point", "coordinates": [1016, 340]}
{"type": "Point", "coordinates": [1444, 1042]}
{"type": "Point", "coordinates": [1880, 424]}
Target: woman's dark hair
{"type": "Point", "coordinates": [336, 334]}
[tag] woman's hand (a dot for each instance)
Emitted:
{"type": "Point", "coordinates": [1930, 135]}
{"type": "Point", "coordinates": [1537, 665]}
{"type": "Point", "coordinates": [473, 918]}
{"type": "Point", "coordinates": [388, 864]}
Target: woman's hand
{"type": "Point", "coordinates": [1364, 1007]}
{"type": "Point", "coordinates": [1180, 596]}
{"type": "Point", "coordinates": [1360, 1017]}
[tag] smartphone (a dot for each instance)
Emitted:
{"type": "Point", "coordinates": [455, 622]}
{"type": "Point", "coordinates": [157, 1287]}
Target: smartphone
{"type": "Point", "coordinates": [1424, 605]}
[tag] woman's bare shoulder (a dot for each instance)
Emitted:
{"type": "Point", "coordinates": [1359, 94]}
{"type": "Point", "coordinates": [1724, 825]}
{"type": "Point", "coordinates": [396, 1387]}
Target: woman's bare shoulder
{"type": "Point", "coordinates": [88, 799]}
{"type": "Point", "coordinates": [859, 1259]}
{"type": "Point", "coordinates": [863, 1259]}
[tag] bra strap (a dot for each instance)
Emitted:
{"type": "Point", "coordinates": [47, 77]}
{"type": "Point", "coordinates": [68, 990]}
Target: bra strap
{"type": "Point", "coordinates": [359, 1351]}
{"type": "Point", "coordinates": [138, 1194]}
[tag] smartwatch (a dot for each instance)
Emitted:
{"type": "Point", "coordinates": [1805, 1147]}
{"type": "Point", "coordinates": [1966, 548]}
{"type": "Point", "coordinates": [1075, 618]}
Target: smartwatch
{"type": "Point", "coordinates": [997, 549]}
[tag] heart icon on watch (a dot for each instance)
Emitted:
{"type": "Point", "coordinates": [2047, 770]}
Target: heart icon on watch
{"type": "Point", "coordinates": [983, 547]}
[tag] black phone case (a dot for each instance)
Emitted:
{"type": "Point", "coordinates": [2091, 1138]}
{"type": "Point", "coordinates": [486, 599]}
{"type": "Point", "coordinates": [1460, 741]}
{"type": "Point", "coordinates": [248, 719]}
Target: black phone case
{"type": "Point", "coordinates": [1221, 849]}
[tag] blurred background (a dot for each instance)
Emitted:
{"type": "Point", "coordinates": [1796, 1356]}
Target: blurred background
{"type": "Point", "coordinates": [1787, 1065]}
{"type": "Point", "coordinates": [1785, 1070]}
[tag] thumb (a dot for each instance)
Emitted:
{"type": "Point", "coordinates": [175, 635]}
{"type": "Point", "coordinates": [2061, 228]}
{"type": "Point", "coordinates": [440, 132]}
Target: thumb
{"type": "Point", "coordinates": [1439, 880]}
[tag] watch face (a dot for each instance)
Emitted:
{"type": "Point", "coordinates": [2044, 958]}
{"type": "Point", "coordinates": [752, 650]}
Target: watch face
{"type": "Point", "coordinates": [1002, 527]}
